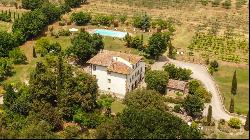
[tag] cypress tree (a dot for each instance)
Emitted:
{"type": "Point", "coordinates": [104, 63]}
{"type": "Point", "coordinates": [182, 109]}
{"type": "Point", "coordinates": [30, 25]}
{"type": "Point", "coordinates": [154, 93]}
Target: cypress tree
{"type": "Point", "coordinates": [234, 84]}
{"type": "Point", "coordinates": [34, 52]}
{"type": "Point", "coordinates": [246, 126]}
{"type": "Point", "coordinates": [9, 13]}
{"type": "Point", "coordinates": [209, 115]}
{"type": "Point", "coordinates": [231, 109]}
{"type": "Point", "coordinates": [170, 50]}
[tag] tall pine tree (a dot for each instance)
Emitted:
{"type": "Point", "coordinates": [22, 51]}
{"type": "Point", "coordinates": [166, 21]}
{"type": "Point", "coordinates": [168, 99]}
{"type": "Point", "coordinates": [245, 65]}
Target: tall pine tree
{"type": "Point", "coordinates": [234, 84]}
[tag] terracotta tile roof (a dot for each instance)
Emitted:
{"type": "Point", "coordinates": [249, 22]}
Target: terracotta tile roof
{"type": "Point", "coordinates": [176, 84]}
{"type": "Point", "coordinates": [105, 58]}
{"type": "Point", "coordinates": [119, 67]}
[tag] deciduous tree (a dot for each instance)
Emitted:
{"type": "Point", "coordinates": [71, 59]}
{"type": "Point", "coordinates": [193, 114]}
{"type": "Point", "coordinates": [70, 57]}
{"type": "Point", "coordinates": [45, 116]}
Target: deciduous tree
{"type": "Point", "coordinates": [84, 46]}
{"type": "Point", "coordinates": [146, 124]}
{"type": "Point", "coordinates": [157, 80]}
{"type": "Point", "coordinates": [142, 99]}
{"type": "Point", "coordinates": [193, 105]}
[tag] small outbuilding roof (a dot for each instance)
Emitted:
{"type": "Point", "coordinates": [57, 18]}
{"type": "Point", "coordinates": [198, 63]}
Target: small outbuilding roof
{"type": "Point", "coordinates": [176, 84]}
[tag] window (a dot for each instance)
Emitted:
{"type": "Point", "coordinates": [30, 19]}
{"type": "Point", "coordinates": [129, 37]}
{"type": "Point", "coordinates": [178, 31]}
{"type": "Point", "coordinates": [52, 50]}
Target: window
{"type": "Point", "coordinates": [132, 76]}
{"type": "Point", "coordinates": [109, 80]}
{"type": "Point", "coordinates": [109, 72]}
{"type": "Point", "coordinates": [141, 69]}
{"type": "Point", "coordinates": [130, 80]}
{"type": "Point", "coordinates": [94, 67]}
{"type": "Point", "coordinates": [108, 88]}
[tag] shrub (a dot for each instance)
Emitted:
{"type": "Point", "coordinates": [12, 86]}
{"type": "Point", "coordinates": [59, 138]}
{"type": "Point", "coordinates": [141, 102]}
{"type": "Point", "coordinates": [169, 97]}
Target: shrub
{"type": "Point", "coordinates": [63, 32]}
{"type": "Point", "coordinates": [5, 17]}
{"type": "Point", "coordinates": [222, 121]}
{"type": "Point", "coordinates": [104, 20]}
{"type": "Point", "coordinates": [177, 108]}
{"type": "Point", "coordinates": [142, 21]}
{"type": "Point", "coordinates": [203, 94]}
{"type": "Point", "coordinates": [227, 4]}
{"type": "Point", "coordinates": [234, 123]}
{"type": "Point", "coordinates": [215, 3]}
{"type": "Point", "coordinates": [17, 56]}
{"type": "Point", "coordinates": [81, 18]}
{"type": "Point", "coordinates": [177, 100]}
{"type": "Point", "coordinates": [61, 23]}
{"type": "Point", "coordinates": [178, 73]}
{"type": "Point", "coordinates": [204, 2]}
{"type": "Point", "coordinates": [73, 3]}
{"type": "Point", "coordinates": [6, 68]}
{"type": "Point", "coordinates": [122, 18]}
{"type": "Point", "coordinates": [193, 105]}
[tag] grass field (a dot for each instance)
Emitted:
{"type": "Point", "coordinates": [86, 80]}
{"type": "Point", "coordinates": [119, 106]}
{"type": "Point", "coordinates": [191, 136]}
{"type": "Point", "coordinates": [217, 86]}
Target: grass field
{"type": "Point", "coordinates": [224, 80]}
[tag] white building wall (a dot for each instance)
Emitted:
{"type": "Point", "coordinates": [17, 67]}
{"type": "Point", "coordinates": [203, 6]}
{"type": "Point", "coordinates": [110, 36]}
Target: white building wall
{"type": "Point", "coordinates": [117, 81]}
{"type": "Point", "coordinates": [135, 77]}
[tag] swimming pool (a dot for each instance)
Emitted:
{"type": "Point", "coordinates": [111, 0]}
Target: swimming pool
{"type": "Point", "coordinates": [110, 33]}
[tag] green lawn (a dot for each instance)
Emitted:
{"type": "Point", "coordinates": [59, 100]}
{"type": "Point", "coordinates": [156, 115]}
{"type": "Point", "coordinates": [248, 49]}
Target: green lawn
{"type": "Point", "coordinates": [64, 41]}
{"type": "Point", "coordinates": [117, 106]}
{"type": "Point", "coordinates": [109, 43]}
{"type": "Point", "coordinates": [224, 79]}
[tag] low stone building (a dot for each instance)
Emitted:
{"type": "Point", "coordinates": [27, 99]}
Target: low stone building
{"type": "Point", "coordinates": [177, 86]}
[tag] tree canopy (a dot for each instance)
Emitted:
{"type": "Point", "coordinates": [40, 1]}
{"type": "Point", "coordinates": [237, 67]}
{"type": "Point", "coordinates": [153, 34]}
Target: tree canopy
{"type": "Point", "coordinates": [146, 124]}
{"type": "Point", "coordinates": [84, 46]}
{"type": "Point", "coordinates": [33, 4]}
{"type": "Point", "coordinates": [157, 45]}
{"type": "Point", "coordinates": [7, 43]}
{"type": "Point", "coordinates": [178, 73]}
{"type": "Point", "coordinates": [143, 99]}
{"type": "Point", "coordinates": [30, 24]}
{"type": "Point", "coordinates": [81, 18]}
{"type": "Point", "coordinates": [193, 105]}
{"type": "Point", "coordinates": [157, 80]}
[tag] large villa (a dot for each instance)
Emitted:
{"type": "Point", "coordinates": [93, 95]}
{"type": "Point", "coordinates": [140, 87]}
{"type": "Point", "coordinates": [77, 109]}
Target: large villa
{"type": "Point", "coordinates": [117, 72]}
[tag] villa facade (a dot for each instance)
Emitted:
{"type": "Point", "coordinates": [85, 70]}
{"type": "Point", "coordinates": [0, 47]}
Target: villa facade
{"type": "Point", "coordinates": [117, 72]}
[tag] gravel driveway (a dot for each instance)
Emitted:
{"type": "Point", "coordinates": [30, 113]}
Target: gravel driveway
{"type": "Point", "coordinates": [200, 73]}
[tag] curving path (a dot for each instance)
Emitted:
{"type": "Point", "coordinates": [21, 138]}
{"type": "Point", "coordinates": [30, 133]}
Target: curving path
{"type": "Point", "coordinates": [200, 72]}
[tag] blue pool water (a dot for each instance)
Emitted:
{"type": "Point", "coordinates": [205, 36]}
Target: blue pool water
{"type": "Point", "coordinates": [110, 33]}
